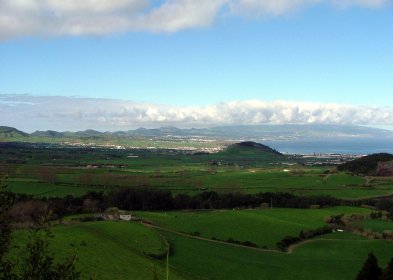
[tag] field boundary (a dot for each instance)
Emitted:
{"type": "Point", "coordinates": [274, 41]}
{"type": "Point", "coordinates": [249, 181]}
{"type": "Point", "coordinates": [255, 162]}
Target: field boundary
{"type": "Point", "coordinates": [289, 250]}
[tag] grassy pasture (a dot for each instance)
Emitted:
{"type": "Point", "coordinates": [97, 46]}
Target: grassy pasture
{"type": "Point", "coordinates": [42, 189]}
{"type": "Point", "coordinates": [376, 225]}
{"type": "Point", "coordinates": [119, 250]}
{"type": "Point", "coordinates": [194, 178]}
{"type": "Point", "coordinates": [77, 171]}
{"type": "Point", "coordinates": [263, 227]}
{"type": "Point", "coordinates": [110, 250]}
{"type": "Point", "coordinates": [338, 259]}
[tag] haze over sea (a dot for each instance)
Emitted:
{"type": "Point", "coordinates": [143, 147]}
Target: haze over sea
{"type": "Point", "coordinates": [341, 146]}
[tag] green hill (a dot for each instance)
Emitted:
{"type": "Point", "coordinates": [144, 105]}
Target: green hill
{"type": "Point", "coordinates": [262, 227]}
{"type": "Point", "coordinates": [110, 250]}
{"type": "Point", "coordinates": [47, 133]}
{"type": "Point", "coordinates": [247, 154]}
{"type": "Point", "coordinates": [10, 132]}
{"type": "Point", "coordinates": [89, 133]}
{"type": "Point", "coordinates": [368, 165]}
{"type": "Point", "coordinates": [318, 259]}
{"type": "Point", "coordinates": [250, 147]}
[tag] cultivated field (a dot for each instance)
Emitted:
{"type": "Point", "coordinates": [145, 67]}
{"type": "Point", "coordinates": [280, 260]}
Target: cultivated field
{"type": "Point", "coordinates": [339, 259]}
{"type": "Point", "coordinates": [110, 250]}
{"type": "Point", "coordinates": [67, 171]}
{"type": "Point", "coordinates": [229, 243]}
{"type": "Point", "coordinates": [263, 227]}
{"type": "Point", "coordinates": [130, 250]}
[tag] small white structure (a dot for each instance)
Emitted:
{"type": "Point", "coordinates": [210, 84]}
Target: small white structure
{"type": "Point", "coordinates": [125, 217]}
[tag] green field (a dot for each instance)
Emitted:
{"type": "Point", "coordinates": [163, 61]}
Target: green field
{"type": "Point", "coordinates": [43, 189]}
{"type": "Point", "coordinates": [319, 259]}
{"type": "Point", "coordinates": [110, 250]}
{"type": "Point", "coordinates": [192, 181]}
{"type": "Point", "coordinates": [122, 250]}
{"type": "Point", "coordinates": [263, 227]}
{"type": "Point", "coordinates": [54, 172]}
{"type": "Point", "coordinates": [204, 244]}
{"type": "Point", "coordinates": [377, 225]}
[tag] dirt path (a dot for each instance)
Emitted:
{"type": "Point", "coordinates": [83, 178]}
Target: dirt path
{"type": "Point", "coordinates": [210, 240]}
{"type": "Point", "coordinates": [294, 246]}
{"type": "Point", "coordinates": [289, 250]}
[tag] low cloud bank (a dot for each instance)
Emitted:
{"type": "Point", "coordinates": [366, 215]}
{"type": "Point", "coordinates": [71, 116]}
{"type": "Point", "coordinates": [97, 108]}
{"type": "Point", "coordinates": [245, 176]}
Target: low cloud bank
{"type": "Point", "coordinates": [70, 113]}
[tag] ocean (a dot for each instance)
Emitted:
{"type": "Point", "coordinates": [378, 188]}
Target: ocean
{"type": "Point", "coordinates": [327, 146]}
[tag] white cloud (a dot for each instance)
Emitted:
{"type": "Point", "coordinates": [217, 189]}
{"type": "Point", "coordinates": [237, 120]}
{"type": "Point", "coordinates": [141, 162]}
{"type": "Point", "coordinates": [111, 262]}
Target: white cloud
{"type": "Point", "coordinates": [257, 8]}
{"type": "Point", "coordinates": [176, 15]}
{"type": "Point", "coordinates": [67, 17]}
{"type": "Point", "coordinates": [263, 8]}
{"type": "Point", "coordinates": [43, 112]}
{"type": "Point", "coordinates": [91, 6]}
{"type": "Point", "coordinates": [99, 17]}
{"type": "Point", "coordinates": [364, 3]}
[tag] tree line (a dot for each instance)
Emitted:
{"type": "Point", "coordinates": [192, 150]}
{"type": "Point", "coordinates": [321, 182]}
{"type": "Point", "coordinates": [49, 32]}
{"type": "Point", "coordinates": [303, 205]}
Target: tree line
{"type": "Point", "coordinates": [156, 199]}
{"type": "Point", "coordinates": [151, 199]}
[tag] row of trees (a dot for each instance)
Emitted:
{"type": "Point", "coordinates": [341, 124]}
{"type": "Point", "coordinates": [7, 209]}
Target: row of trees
{"type": "Point", "coordinates": [155, 199]}
{"type": "Point", "coordinates": [26, 208]}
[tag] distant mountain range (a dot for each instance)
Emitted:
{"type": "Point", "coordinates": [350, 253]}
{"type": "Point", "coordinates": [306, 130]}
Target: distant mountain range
{"type": "Point", "coordinates": [241, 132]}
{"type": "Point", "coordinates": [10, 132]}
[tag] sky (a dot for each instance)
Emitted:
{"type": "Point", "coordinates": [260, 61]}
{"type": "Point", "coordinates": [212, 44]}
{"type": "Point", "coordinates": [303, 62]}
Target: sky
{"type": "Point", "coordinates": [122, 64]}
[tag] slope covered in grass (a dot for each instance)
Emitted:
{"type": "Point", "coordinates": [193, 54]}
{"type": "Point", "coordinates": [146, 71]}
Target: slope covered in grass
{"type": "Point", "coordinates": [377, 225]}
{"type": "Point", "coordinates": [43, 189]}
{"type": "Point", "coordinates": [338, 259]}
{"type": "Point", "coordinates": [7, 132]}
{"type": "Point", "coordinates": [263, 227]}
{"type": "Point", "coordinates": [110, 250]}
{"type": "Point", "coordinates": [248, 154]}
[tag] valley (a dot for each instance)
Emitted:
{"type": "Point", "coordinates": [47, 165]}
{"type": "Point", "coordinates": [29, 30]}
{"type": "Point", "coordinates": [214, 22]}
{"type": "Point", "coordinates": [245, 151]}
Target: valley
{"type": "Point", "coordinates": [250, 209]}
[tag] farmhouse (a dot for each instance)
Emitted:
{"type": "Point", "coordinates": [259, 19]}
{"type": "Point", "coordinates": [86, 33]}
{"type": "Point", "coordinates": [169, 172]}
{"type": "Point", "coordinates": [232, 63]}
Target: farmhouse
{"type": "Point", "coordinates": [115, 214]}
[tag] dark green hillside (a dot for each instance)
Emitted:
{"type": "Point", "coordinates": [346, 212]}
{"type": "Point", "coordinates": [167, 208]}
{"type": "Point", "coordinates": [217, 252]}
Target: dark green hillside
{"type": "Point", "coordinates": [66, 135]}
{"type": "Point", "coordinates": [246, 147]}
{"type": "Point", "coordinates": [89, 133]}
{"type": "Point", "coordinates": [10, 132]}
{"type": "Point", "coordinates": [247, 154]}
{"type": "Point", "coordinates": [367, 165]}
{"type": "Point", "coordinates": [47, 133]}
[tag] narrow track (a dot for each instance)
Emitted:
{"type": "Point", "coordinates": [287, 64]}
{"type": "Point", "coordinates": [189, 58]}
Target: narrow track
{"type": "Point", "coordinates": [289, 250]}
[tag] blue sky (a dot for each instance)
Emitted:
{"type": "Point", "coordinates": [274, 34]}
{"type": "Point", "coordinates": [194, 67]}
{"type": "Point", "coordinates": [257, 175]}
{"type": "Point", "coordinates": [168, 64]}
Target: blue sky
{"type": "Point", "coordinates": [186, 53]}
